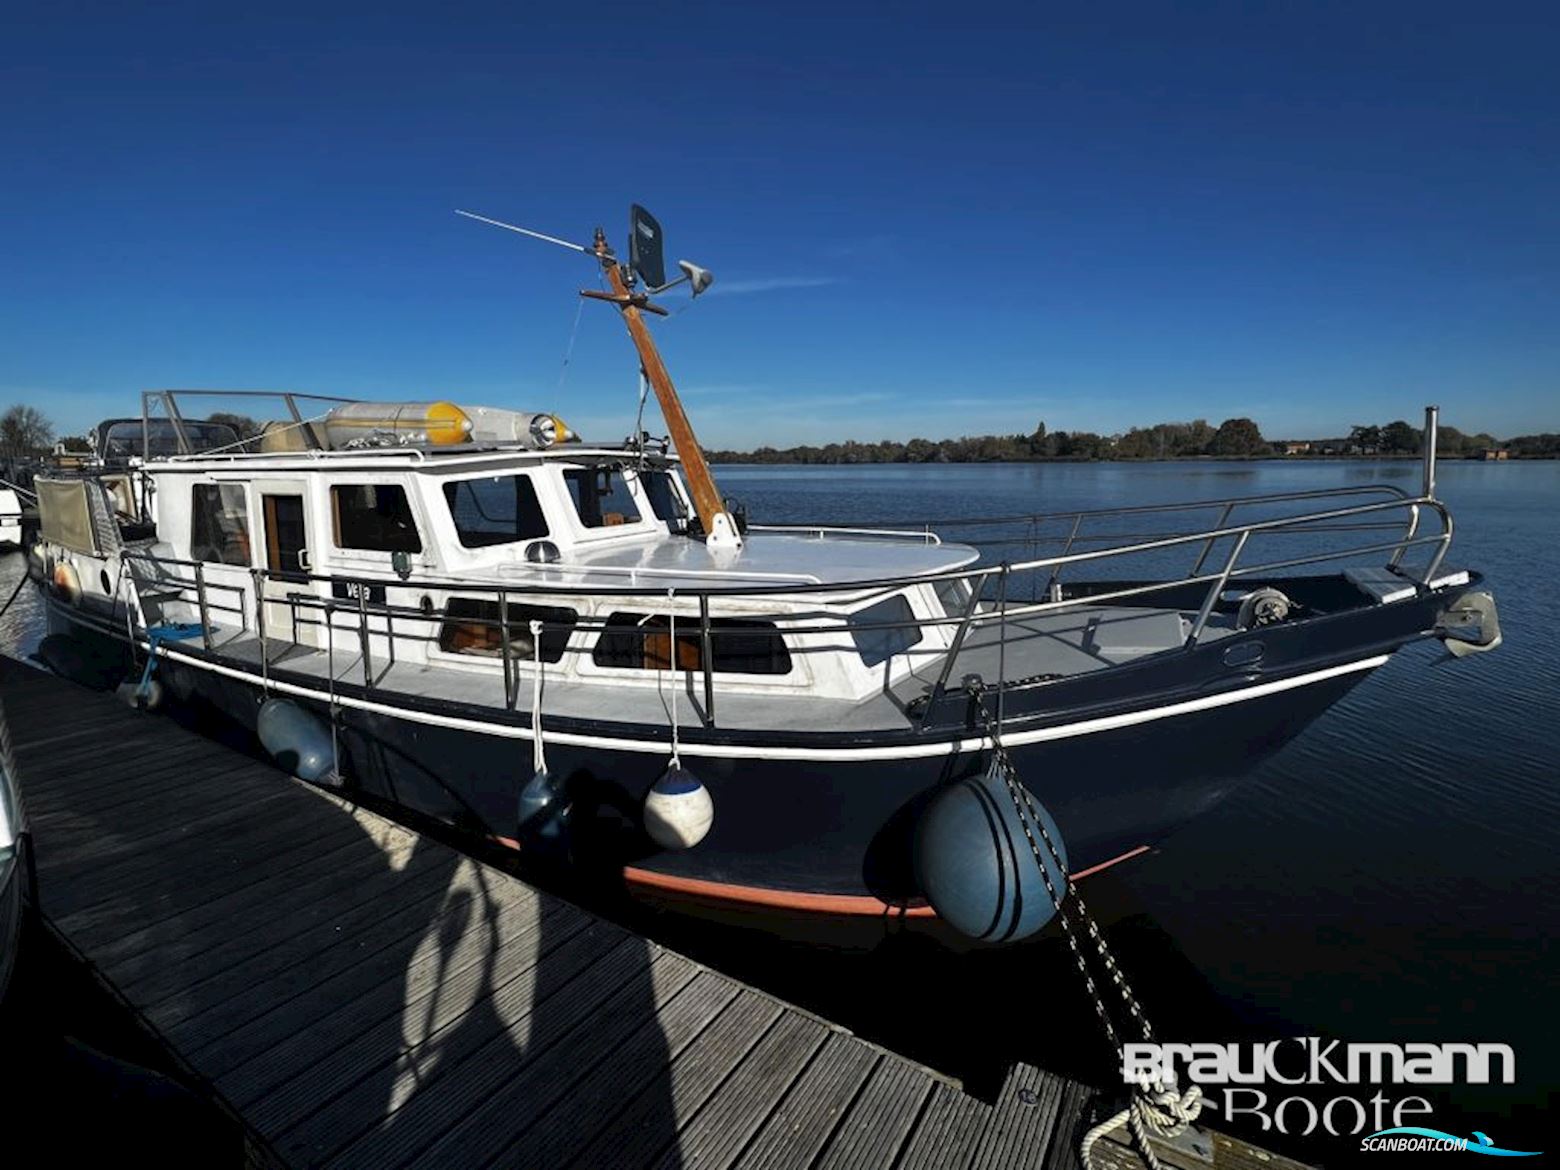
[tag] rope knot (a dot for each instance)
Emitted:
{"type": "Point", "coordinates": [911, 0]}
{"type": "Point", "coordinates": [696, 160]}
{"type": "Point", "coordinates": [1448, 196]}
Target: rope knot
{"type": "Point", "coordinates": [1157, 1109]}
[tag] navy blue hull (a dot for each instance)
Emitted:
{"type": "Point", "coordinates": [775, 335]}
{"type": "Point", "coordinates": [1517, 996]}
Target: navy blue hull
{"type": "Point", "coordinates": [1120, 758]}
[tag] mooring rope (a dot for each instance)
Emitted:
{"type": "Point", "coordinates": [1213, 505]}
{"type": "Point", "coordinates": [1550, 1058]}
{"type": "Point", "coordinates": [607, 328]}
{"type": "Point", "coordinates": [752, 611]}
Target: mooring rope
{"type": "Point", "coordinates": [671, 618]}
{"type": "Point", "coordinates": [1157, 1108]}
{"type": "Point", "coordinates": [15, 593]}
{"type": "Point", "coordinates": [538, 752]}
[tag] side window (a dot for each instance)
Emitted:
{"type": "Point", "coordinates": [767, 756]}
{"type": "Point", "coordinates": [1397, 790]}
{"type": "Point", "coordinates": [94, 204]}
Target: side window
{"type": "Point", "coordinates": [500, 510]}
{"type": "Point", "coordinates": [373, 517]}
{"type": "Point", "coordinates": [219, 524]}
{"type": "Point", "coordinates": [471, 626]}
{"type": "Point", "coordinates": [601, 496]}
{"type": "Point", "coordinates": [877, 646]}
{"type": "Point", "coordinates": [634, 641]}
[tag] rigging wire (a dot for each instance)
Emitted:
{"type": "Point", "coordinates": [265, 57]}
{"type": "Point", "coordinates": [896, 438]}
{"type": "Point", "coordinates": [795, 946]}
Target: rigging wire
{"type": "Point", "coordinates": [639, 418]}
{"type": "Point", "coordinates": [568, 355]}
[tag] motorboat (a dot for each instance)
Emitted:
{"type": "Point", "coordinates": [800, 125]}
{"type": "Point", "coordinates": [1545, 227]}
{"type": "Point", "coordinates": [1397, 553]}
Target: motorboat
{"type": "Point", "coordinates": [10, 519]}
{"type": "Point", "coordinates": [584, 650]}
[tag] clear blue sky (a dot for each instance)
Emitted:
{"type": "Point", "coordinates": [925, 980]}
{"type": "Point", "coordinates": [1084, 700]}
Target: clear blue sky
{"type": "Point", "coordinates": [924, 219]}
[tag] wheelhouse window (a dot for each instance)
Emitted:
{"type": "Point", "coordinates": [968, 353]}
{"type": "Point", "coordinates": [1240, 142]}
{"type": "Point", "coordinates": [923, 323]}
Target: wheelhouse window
{"type": "Point", "coordinates": [665, 501]}
{"type": "Point", "coordinates": [877, 645]}
{"type": "Point", "coordinates": [473, 626]}
{"type": "Point", "coordinates": [601, 496]}
{"type": "Point", "coordinates": [954, 595]}
{"type": "Point", "coordinates": [373, 517]}
{"type": "Point", "coordinates": [219, 524]}
{"type": "Point", "coordinates": [636, 641]}
{"type": "Point", "coordinates": [499, 510]}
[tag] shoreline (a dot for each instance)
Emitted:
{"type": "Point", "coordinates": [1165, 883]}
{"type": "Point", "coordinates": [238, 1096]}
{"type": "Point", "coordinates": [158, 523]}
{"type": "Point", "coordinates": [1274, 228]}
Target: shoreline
{"type": "Point", "coordinates": [746, 460]}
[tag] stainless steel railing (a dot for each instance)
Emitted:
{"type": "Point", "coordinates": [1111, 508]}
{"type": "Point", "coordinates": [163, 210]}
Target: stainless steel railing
{"type": "Point", "coordinates": [989, 598]}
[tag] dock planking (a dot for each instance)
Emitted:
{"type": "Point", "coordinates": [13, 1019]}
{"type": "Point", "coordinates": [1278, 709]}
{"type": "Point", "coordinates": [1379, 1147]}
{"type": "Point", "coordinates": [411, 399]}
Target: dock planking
{"type": "Point", "coordinates": [358, 995]}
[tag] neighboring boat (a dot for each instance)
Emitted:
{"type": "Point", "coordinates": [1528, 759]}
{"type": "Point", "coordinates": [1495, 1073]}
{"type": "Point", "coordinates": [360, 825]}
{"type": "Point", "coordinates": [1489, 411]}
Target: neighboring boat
{"type": "Point", "coordinates": [10, 519]}
{"type": "Point", "coordinates": [18, 887]}
{"type": "Point", "coordinates": [581, 648]}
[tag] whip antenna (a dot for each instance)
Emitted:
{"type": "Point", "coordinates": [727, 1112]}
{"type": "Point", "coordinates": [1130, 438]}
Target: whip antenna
{"type": "Point", "coordinates": [524, 231]}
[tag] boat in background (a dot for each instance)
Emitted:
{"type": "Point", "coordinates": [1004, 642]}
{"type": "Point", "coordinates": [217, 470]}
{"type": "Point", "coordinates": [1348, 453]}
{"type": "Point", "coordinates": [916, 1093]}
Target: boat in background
{"type": "Point", "coordinates": [10, 519]}
{"type": "Point", "coordinates": [583, 651]}
{"type": "Point", "coordinates": [18, 879]}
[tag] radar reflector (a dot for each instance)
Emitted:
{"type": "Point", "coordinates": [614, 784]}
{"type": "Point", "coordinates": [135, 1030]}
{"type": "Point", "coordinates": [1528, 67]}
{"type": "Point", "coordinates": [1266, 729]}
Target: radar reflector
{"type": "Point", "coordinates": [645, 254]}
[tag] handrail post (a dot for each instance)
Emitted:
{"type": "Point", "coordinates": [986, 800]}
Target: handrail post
{"type": "Point", "coordinates": [706, 658]}
{"type": "Point", "coordinates": [1410, 530]}
{"type": "Point", "coordinates": [1444, 543]}
{"type": "Point", "coordinates": [1051, 590]}
{"type": "Point", "coordinates": [977, 586]}
{"type": "Point", "coordinates": [510, 685]}
{"type": "Point", "coordinates": [1207, 548]}
{"type": "Point", "coordinates": [200, 600]}
{"type": "Point", "coordinates": [256, 576]}
{"type": "Point", "coordinates": [1002, 600]}
{"type": "Point", "coordinates": [1428, 443]}
{"type": "Point", "coordinates": [368, 669]}
{"type": "Point", "coordinates": [1216, 588]}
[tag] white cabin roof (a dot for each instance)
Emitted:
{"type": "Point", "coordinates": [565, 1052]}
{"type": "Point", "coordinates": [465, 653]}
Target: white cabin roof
{"type": "Point", "coordinates": [767, 558]}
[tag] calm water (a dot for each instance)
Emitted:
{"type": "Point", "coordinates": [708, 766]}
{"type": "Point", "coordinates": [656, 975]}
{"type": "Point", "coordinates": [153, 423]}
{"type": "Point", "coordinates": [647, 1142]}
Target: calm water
{"type": "Point", "coordinates": [1394, 873]}
{"type": "Point", "coordinates": [1390, 876]}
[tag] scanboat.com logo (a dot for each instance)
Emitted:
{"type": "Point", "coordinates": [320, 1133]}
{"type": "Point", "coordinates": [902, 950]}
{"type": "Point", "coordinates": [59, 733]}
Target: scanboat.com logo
{"type": "Point", "coordinates": [1413, 1138]}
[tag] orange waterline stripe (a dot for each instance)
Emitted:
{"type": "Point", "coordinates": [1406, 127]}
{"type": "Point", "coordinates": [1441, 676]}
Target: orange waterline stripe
{"type": "Point", "coordinates": [855, 905]}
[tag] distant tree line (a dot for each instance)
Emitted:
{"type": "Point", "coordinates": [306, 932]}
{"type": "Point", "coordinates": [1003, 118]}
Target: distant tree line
{"type": "Point", "coordinates": [26, 432]}
{"type": "Point", "coordinates": [1234, 438]}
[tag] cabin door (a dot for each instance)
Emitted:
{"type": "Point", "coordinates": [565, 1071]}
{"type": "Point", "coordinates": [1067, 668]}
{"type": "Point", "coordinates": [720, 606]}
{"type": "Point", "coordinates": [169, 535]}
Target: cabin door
{"type": "Point", "coordinates": [284, 552]}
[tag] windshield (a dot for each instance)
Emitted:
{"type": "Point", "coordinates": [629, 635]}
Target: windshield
{"type": "Point", "coordinates": [125, 437]}
{"type": "Point", "coordinates": [665, 501]}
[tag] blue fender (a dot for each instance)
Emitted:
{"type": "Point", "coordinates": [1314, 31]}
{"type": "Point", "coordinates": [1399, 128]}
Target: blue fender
{"type": "Point", "coordinates": [975, 864]}
{"type": "Point", "coordinates": [297, 740]}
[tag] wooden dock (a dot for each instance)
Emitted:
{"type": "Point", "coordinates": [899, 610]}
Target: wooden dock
{"type": "Point", "coordinates": [357, 995]}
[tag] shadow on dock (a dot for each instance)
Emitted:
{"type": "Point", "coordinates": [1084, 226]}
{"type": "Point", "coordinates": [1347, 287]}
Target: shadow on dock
{"type": "Point", "coordinates": [359, 994]}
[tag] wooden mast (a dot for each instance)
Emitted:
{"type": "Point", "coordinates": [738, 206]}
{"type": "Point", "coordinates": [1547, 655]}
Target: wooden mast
{"type": "Point", "coordinates": [719, 528]}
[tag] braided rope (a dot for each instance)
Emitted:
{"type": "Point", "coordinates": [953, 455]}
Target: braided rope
{"type": "Point", "coordinates": [1154, 1111]}
{"type": "Point", "coordinates": [1157, 1108]}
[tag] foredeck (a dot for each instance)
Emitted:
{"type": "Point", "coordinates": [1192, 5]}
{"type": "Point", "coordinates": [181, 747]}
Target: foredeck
{"type": "Point", "coordinates": [357, 994]}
